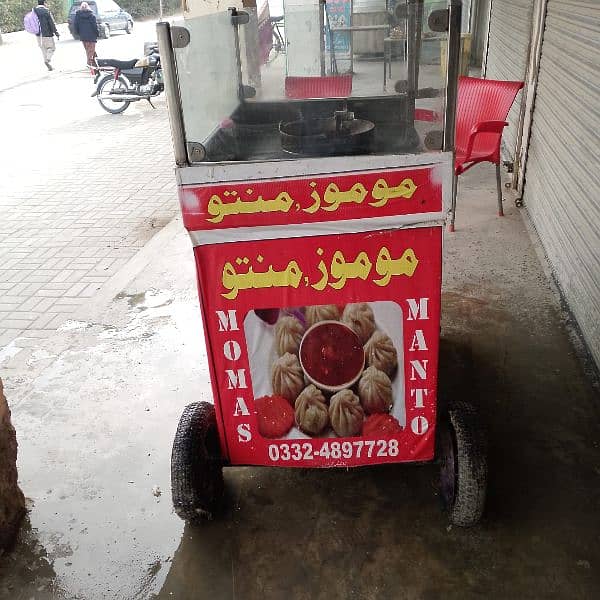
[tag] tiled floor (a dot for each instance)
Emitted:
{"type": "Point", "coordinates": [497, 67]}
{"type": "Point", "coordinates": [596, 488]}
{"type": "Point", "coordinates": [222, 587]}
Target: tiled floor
{"type": "Point", "coordinates": [81, 192]}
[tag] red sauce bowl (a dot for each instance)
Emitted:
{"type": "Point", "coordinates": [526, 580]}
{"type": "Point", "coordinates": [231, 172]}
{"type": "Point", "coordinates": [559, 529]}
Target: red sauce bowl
{"type": "Point", "coordinates": [331, 356]}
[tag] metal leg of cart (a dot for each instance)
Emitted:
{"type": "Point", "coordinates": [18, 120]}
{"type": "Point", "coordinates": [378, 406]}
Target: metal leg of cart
{"type": "Point", "coordinates": [385, 59]}
{"type": "Point", "coordinates": [499, 187]}
{"type": "Point", "coordinates": [453, 208]}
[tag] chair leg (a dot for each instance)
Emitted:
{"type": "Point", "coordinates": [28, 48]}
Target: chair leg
{"type": "Point", "coordinates": [453, 208]}
{"type": "Point", "coordinates": [499, 187]}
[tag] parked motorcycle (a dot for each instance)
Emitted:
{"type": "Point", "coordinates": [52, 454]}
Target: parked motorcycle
{"type": "Point", "coordinates": [121, 82]}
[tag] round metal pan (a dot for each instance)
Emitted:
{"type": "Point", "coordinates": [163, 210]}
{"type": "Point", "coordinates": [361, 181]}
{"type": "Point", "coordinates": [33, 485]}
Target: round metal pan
{"type": "Point", "coordinates": [325, 137]}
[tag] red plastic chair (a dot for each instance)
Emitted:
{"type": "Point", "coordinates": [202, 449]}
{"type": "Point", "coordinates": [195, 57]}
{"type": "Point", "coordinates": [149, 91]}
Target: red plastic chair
{"type": "Point", "coordinates": [482, 108]}
{"type": "Point", "coordinates": [330, 86]}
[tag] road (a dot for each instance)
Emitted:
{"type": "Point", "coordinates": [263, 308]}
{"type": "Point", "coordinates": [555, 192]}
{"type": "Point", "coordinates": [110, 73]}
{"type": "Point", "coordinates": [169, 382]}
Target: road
{"type": "Point", "coordinates": [81, 190]}
{"type": "Point", "coordinates": [22, 61]}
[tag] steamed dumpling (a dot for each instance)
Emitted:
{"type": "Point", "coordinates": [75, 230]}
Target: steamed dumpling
{"type": "Point", "coordinates": [346, 413]}
{"type": "Point", "coordinates": [381, 354]}
{"type": "Point", "coordinates": [375, 391]}
{"type": "Point", "coordinates": [360, 318]}
{"type": "Point", "coordinates": [311, 411]}
{"type": "Point", "coordinates": [325, 312]}
{"type": "Point", "coordinates": [287, 377]}
{"type": "Point", "coordinates": [288, 334]}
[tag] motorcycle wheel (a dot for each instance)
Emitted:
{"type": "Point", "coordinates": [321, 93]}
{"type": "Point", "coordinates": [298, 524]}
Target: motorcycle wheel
{"type": "Point", "coordinates": [109, 85]}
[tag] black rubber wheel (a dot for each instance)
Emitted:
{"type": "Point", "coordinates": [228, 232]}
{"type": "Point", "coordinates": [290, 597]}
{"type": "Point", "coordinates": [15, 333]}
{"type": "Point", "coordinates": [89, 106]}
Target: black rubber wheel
{"type": "Point", "coordinates": [519, 202]}
{"type": "Point", "coordinates": [129, 27]}
{"type": "Point", "coordinates": [110, 85]}
{"type": "Point", "coordinates": [196, 464]}
{"type": "Point", "coordinates": [462, 452]}
{"type": "Point", "coordinates": [104, 31]}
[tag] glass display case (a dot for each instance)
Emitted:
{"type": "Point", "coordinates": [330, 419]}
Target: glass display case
{"type": "Point", "coordinates": [249, 93]}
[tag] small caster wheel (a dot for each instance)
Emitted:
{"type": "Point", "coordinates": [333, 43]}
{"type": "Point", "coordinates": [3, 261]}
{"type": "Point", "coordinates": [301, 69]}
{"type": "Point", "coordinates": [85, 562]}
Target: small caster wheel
{"type": "Point", "coordinates": [196, 464]}
{"type": "Point", "coordinates": [463, 464]}
{"type": "Point", "coordinates": [519, 202]}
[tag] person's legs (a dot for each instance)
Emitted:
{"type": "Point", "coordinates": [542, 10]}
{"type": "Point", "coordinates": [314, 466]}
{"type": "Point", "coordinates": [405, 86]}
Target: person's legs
{"type": "Point", "coordinates": [40, 41]}
{"type": "Point", "coordinates": [90, 52]}
{"type": "Point", "coordinates": [47, 47]}
{"type": "Point", "coordinates": [50, 48]}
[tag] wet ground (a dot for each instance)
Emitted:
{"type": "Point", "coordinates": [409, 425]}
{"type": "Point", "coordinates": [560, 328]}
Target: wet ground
{"type": "Point", "coordinates": [96, 411]}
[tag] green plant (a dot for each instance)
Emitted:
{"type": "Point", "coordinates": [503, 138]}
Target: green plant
{"type": "Point", "coordinates": [13, 11]}
{"type": "Point", "coordinates": [140, 9]}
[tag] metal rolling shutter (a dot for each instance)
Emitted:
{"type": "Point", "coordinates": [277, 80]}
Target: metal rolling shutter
{"type": "Point", "coordinates": [562, 177]}
{"type": "Point", "coordinates": [368, 12]}
{"type": "Point", "coordinates": [508, 50]}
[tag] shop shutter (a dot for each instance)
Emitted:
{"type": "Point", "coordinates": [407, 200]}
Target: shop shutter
{"type": "Point", "coordinates": [562, 174]}
{"type": "Point", "coordinates": [368, 6]}
{"type": "Point", "coordinates": [368, 12]}
{"type": "Point", "coordinates": [507, 55]}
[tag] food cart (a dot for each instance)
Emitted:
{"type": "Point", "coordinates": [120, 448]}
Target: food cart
{"type": "Point", "coordinates": [316, 203]}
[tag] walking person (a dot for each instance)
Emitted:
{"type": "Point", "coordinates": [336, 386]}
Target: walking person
{"type": "Point", "coordinates": [47, 32]}
{"type": "Point", "coordinates": [85, 26]}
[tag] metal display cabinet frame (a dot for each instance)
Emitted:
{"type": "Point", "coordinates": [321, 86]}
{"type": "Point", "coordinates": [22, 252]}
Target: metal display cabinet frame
{"type": "Point", "coordinates": [301, 259]}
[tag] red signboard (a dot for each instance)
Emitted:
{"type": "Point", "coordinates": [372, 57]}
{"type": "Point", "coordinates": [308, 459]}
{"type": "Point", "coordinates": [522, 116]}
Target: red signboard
{"type": "Point", "coordinates": [311, 200]}
{"type": "Point", "coordinates": [323, 348]}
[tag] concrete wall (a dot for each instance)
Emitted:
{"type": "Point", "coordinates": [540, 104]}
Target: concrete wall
{"type": "Point", "coordinates": [196, 8]}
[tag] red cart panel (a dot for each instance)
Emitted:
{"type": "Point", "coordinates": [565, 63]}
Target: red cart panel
{"type": "Point", "coordinates": [324, 347]}
{"type": "Point", "coordinates": [338, 197]}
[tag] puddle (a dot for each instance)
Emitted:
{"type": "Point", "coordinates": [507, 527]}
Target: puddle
{"type": "Point", "coordinates": [74, 326]}
{"type": "Point", "coordinates": [30, 570]}
{"type": "Point", "coordinates": [95, 444]}
{"type": "Point", "coordinates": [150, 310]}
{"type": "Point", "coordinates": [151, 298]}
{"type": "Point", "coordinates": [9, 351]}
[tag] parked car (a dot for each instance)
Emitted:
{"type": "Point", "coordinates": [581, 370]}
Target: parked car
{"type": "Point", "coordinates": [111, 17]}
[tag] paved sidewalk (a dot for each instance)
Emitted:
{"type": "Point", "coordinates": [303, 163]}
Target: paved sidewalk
{"type": "Point", "coordinates": [81, 192]}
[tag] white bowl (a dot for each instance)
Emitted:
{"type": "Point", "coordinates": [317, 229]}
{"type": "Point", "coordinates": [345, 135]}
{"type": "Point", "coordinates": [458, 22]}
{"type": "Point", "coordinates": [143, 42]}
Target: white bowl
{"type": "Point", "coordinates": [324, 386]}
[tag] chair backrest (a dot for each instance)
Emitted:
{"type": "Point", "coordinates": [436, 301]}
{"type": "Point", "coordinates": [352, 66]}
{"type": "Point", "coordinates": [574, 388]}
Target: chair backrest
{"type": "Point", "coordinates": [331, 86]}
{"type": "Point", "coordinates": [482, 100]}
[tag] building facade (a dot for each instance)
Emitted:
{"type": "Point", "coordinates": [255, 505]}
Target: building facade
{"type": "Point", "coordinates": [552, 143]}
